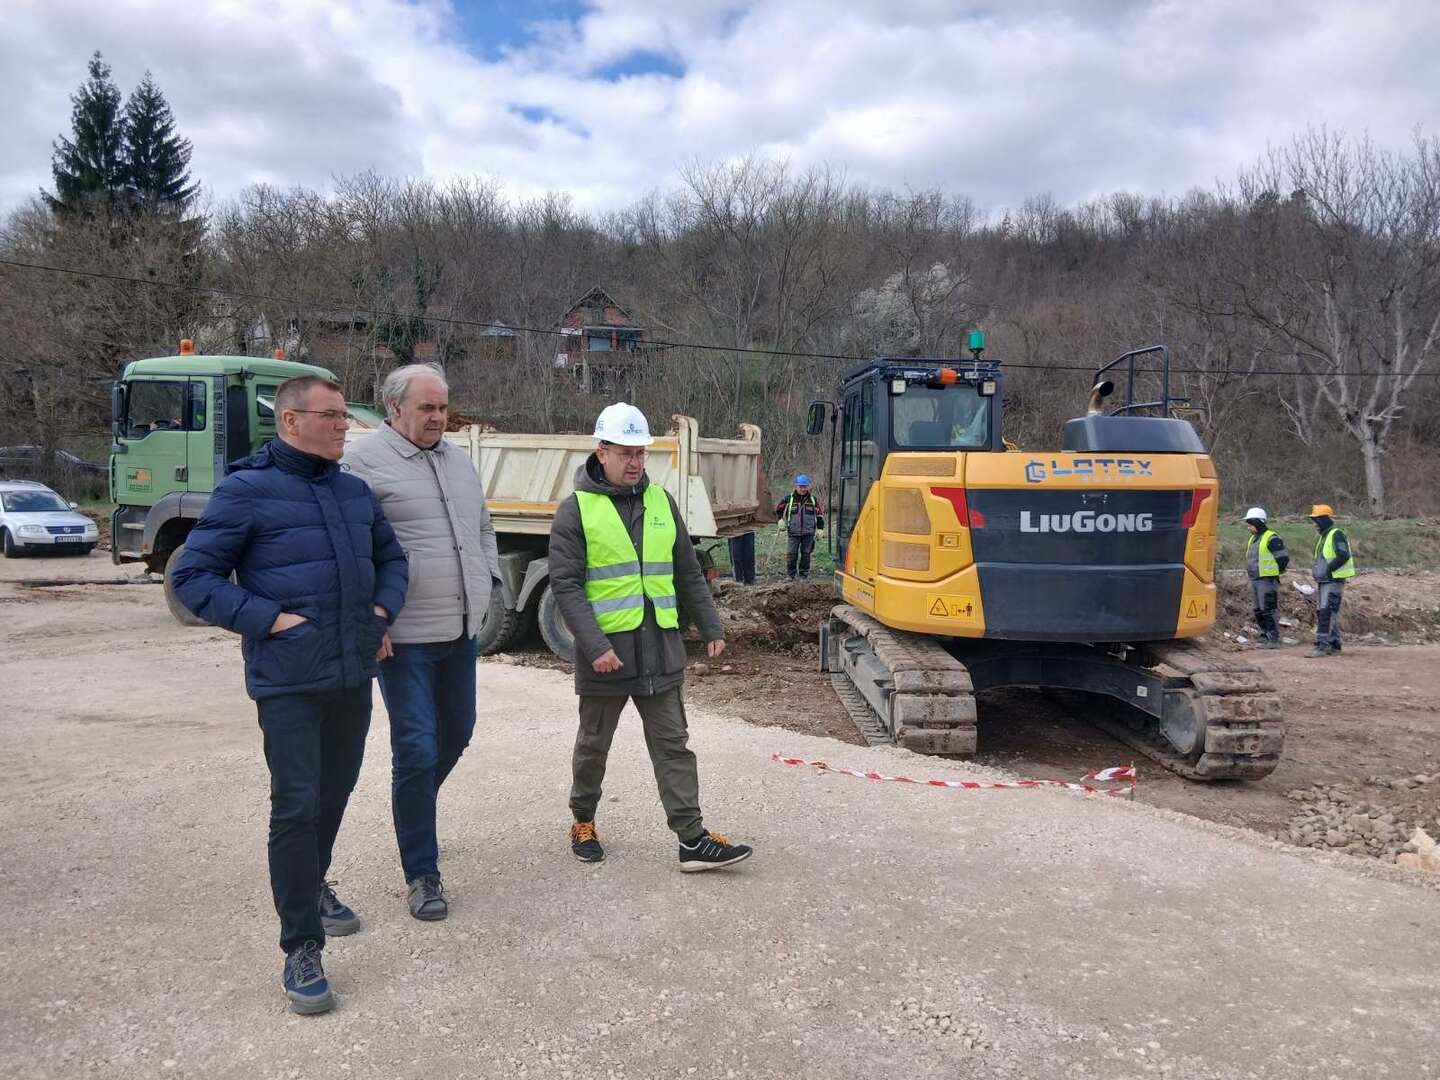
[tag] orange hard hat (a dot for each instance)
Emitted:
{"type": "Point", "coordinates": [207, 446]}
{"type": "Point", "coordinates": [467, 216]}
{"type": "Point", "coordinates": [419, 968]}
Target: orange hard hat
{"type": "Point", "coordinates": [1322, 510]}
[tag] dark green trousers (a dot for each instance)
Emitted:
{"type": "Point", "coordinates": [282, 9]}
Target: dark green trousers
{"type": "Point", "coordinates": [666, 737]}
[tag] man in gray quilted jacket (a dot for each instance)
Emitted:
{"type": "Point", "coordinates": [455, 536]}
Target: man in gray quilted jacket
{"type": "Point", "coordinates": [433, 498]}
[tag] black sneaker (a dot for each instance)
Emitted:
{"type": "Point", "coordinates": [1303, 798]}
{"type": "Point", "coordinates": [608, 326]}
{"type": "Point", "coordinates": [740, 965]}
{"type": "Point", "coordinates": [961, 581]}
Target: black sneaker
{"type": "Point", "coordinates": [584, 843]}
{"type": "Point", "coordinates": [336, 916]}
{"type": "Point", "coordinates": [710, 852]}
{"type": "Point", "coordinates": [305, 982]}
{"type": "Point", "coordinates": [427, 898]}
{"type": "Point", "coordinates": [1317, 651]}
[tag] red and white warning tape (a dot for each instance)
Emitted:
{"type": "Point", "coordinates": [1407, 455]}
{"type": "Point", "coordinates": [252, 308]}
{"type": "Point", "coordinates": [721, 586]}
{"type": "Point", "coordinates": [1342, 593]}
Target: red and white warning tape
{"type": "Point", "coordinates": [1124, 774]}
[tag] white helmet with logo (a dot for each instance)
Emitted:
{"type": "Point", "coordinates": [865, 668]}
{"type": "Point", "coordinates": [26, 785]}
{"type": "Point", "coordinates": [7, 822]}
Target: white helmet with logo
{"type": "Point", "coordinates": [1256, 513]}
{"type": "Point", "coordinates": [623, 424]}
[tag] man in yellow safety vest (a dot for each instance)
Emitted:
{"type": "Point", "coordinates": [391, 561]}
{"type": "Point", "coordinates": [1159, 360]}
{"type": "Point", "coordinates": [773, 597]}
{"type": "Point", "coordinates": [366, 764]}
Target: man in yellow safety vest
{"type": "Point", "coordinates": [621, 567]}
{"type": "Point", "coordinates": [1334, 565]}
{"type": "Point", "coordinates": [1265, 560]}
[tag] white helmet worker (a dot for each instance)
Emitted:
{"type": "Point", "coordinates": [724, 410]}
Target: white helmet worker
{"type": "Point", "coordinates": [1257, 513]}
{"type": "Point", "coordinates": [622, 424]}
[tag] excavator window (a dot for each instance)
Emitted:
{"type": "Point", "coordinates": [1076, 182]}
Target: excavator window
{"type": "Point", "coordinates": [933, 417]}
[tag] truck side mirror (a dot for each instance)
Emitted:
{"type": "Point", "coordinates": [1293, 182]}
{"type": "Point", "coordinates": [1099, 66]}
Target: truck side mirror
{"type": "Point", "coordinates": [117, 409]}
{"type": "Point", "coordinates": [815, 421]}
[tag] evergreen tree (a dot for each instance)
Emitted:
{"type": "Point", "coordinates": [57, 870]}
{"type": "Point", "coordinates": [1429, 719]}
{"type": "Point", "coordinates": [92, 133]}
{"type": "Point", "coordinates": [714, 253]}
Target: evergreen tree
{"type": "Point", "coordinates": [91, 164]}
{"type": "Point", "coordinates": [156, 159]}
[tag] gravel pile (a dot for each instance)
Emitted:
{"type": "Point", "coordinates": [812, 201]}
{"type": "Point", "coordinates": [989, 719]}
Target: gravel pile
{"type": "Point", "coordinates": [1338, 817]}
{"type": "Point", "coordinates": [916, 1017]}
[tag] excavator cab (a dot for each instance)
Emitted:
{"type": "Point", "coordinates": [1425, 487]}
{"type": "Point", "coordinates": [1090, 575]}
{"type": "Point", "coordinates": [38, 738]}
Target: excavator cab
{"type": "Point", "coordinates": [903, 405]}
{"type": "Point", "coordinates": [972, 567]}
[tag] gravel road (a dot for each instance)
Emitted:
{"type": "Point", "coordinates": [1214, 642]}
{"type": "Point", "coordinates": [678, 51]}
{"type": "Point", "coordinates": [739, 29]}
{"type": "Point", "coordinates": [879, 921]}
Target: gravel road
{"type": "Point", "coordinates": [880, 930]}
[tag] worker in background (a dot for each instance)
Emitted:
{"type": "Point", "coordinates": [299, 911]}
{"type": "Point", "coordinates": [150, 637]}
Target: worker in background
{"type": "Point", "coordinates": [433, 497]}
{"type": "Point", "coordinates": [742, 557]}
{"type": "Point", "coordinates": [621, 565]}
{"type": "Point", "coordinates": [800, 517]}
{"type": "Point", "coordinates": [1265, 559]}
{"type": "Point", "coordinates": [1334, 565]}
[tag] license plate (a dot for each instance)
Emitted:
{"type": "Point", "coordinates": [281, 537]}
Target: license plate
{"type": "Point", "coordinates": [69, 539]}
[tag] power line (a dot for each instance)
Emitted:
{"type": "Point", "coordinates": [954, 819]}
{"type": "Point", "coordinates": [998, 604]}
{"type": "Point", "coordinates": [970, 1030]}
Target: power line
{"type": "Point", "coordinates": [292, 302]}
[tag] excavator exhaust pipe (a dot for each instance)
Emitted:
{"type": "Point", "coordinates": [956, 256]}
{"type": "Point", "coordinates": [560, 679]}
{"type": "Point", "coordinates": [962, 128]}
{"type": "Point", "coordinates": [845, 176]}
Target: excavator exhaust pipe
{"type": "Point", "coordinates": [1098, 393]}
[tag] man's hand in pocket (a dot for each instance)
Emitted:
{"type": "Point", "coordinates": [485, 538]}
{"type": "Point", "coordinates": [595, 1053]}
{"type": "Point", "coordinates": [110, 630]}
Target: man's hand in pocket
{"type": "Point", "coordinates": [285, 620]}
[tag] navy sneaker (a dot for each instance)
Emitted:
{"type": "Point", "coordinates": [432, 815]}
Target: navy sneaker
{"type": "Point", "coordinates": [584, 843]}
{"type": "Point", "coordinates": [305, 982]}
{"type": "Point", "coordinates": [427, 898]}
{"type": "Point", "coordinates": [335, 916]}
{"type": "Point", "coordinates": [710, 851]}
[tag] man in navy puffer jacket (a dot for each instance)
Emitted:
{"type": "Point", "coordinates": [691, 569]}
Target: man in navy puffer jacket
{"type": "Point", "coordinates": [319, 576]}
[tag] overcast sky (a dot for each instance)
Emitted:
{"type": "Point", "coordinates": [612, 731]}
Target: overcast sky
{"type": "Point", "coordinates": [603, 98]}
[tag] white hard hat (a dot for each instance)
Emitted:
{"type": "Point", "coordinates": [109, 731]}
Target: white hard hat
{"type": "Point", "coordinates": [623, 424]}
{"type": "Point", "coordinates": [1256, 513]}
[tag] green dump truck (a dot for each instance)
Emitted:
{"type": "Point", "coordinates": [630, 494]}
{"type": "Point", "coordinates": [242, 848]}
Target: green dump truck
{"type": "Point", "coordinates": [176, 421]}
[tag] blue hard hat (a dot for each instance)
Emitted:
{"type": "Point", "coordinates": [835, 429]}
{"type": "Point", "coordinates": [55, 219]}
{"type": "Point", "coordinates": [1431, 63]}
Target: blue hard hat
{"type": "Point", "coordinates": [802, 480]}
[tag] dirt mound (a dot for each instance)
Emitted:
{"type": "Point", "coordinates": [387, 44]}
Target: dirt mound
{"type": "Point", "coordinates": [783, 617]}
{"type": "Point", "coordinates": [1384, 605]}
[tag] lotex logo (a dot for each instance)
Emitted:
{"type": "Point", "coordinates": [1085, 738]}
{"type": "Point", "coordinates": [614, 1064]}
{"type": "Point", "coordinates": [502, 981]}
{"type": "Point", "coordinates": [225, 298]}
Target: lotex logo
{"type": "Point", "coordinates": [633, 428]}
{"type": "Point", "coordinates": [1100, 468]}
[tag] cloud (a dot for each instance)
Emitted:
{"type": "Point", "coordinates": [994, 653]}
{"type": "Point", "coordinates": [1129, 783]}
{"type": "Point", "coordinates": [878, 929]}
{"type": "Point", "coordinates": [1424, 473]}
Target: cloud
{"type": "Point", "coordinates": [605, 99]}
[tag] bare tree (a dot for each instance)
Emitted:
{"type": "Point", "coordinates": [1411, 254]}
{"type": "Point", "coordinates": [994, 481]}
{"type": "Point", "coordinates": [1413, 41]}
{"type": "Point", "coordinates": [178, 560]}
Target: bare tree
{"type": "Point", "coordinates": [1333, 245]}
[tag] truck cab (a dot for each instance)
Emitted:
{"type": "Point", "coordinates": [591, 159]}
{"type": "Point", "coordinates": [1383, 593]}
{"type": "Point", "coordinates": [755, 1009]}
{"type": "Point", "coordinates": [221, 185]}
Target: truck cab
{"type": "Point", "coordinates": [177, 422]}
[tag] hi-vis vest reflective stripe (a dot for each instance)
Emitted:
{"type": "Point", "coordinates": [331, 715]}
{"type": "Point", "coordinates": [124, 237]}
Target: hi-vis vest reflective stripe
{"type": "Point", "coordinates": [1262, 562]}
{"type": "Point", "coordinates": [616, 581]}
{"type": "Point", "coordinates": [1324, 552]}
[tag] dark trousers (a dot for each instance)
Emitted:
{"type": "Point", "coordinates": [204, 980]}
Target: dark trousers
{"type": "Point", "coordinates": [314, 744]}
{"type": "Point", "coordinates": [799, 549]}
{"type": "Point", "coordinates": [742, 558]}
{"type": "Point", "coordinates": [667, 737]}
{"type": "Point", "coordinates": [429, 692]}
{"type": "Point", "coordinates": [1267, 602]}
{"type": "Point", "coordinates": [1327, 614]}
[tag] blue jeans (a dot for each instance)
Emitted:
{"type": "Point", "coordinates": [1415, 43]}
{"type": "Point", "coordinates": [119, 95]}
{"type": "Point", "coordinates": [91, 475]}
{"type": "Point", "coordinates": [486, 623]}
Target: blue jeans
{"type": "Point", "coordinates": [314, 744]}
{"type": "Point", "coordinates": [742, 558]}
{"type": "Point", "coordinates": [429, 692]}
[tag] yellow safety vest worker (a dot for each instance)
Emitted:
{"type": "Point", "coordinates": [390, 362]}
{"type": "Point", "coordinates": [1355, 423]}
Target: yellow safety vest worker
{"type": "Point", "coordinates": [1263, 563]}
{"type": "Point", "coordinates": [1324, 552]}
{"type": "Point", "coordinates": [617, 581]}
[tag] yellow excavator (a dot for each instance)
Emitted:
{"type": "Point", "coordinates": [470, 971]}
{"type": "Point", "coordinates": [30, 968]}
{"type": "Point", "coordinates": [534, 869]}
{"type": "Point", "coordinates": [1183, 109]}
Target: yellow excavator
{"type": "Point", "coordinates": [965, 564]}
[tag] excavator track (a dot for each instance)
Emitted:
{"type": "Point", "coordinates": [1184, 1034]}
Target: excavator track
{"type": "Point", "coordinates": [899, 687]}
{"type": "Point", "coordinates": [1224, 719]}
{"type": "Point", "coordinates": [1221, 717]}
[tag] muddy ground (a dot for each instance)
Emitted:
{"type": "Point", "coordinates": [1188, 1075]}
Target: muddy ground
{"type": "Point", "coordinates": [1361, 727]}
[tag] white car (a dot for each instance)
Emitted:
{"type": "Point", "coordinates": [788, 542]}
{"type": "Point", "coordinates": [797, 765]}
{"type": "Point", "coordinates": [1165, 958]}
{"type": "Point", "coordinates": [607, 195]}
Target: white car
{"type": "Point", "coordinates": [34, 518]}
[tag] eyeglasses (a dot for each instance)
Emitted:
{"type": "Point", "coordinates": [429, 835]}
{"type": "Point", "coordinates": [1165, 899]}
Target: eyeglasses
{"type": "Point", "coordinates": [626, 453]}
{"type": "Point", "coordinates": [330, 416]}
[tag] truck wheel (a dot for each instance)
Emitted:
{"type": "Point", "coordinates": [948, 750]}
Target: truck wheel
{"type": "Point", "coordinates": [183, 615]}
{"type": "Point", "coordinates": [553, 629]}
{"type": "Point", "coordinates": [501, 627]}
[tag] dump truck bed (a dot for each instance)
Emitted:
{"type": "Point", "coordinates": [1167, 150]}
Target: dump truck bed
{"type": "Point", "coordinates": [715, 482]}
